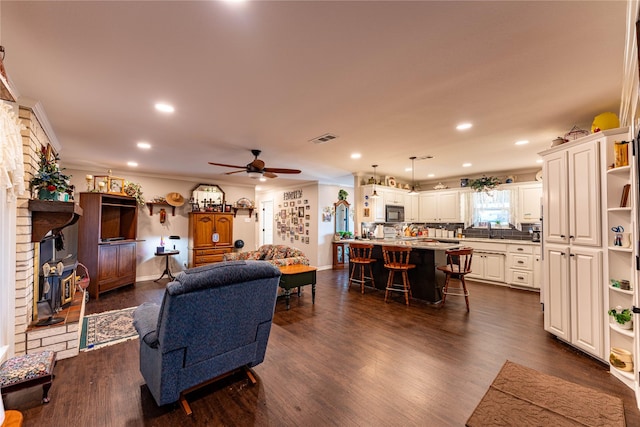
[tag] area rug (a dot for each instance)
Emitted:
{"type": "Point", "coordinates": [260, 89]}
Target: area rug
{"type": "Point", "coordinates": [521, 396]}
{"type": "Point", "coordinates": [108, 328]}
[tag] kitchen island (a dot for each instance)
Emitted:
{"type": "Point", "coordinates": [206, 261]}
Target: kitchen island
{"type": "Point", "coordinates": [426, 281]}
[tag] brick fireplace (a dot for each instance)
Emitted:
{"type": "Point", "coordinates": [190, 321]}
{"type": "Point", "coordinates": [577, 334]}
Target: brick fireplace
{"type": "Point", "coordinates": [32, 224]}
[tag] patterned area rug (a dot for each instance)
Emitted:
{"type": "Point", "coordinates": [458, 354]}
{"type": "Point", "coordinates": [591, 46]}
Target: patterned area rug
{"type": "Point", "coordinates": [108, 328]}
{"type": "Point", "coordinates": [521, 396]}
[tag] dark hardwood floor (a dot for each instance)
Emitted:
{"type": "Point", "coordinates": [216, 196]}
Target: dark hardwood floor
{"type": "Point", "coordinates": [348, 360]}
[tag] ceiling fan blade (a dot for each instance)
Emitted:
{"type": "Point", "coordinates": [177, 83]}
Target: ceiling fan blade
{"type": "Point", "coordinates": [227, 166]}
{"type": "Point", "coordinates": [281, 170]}
{"type": "Point", "coordinates": [270, 175]}
{"type": "Point", "coordinates": [231, 173]}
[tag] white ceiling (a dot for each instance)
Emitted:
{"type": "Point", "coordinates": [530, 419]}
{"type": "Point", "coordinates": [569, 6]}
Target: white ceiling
{"type": "Point", "coordinates": [392, 79]}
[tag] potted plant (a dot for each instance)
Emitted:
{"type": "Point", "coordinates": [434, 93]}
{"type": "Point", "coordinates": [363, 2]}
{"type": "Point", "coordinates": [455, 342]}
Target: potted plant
{"type": "Point", "coordinates": [49, 181]}
{"type": "Point", "coordinates": [622, 317]}
{"type": "Point", "coordinates": [486, 183]}
{"type": "Point", "coordinates": [342, 194]}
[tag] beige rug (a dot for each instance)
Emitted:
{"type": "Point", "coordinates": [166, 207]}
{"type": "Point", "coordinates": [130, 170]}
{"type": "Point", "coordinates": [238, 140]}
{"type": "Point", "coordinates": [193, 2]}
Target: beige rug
{"type": "Point", "coordinates": [521, 396]}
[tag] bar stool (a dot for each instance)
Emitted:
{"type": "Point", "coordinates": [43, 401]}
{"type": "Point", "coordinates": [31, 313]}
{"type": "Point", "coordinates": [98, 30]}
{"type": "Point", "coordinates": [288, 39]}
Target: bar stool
{"type": "Point", "coordinates": [396, 258]}
{"type": "Point", "coordinates": [458, 266]}
{"type": "Point", "coordinates": [360, 256]}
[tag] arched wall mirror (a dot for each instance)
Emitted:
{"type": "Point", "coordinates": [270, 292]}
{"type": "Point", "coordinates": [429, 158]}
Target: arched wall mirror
{"type": "Point", "coordinates": [204, 195]}
{"type": "Point", "coordinates": [342, 216]}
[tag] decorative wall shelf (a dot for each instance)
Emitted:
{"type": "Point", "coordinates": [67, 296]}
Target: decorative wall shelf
{"type": "Point", "coordinates": [49, 215]}
{"type": "Point", "coordinates": [152, 204]}
{"type": "Point", "coordinates": [235, 211]}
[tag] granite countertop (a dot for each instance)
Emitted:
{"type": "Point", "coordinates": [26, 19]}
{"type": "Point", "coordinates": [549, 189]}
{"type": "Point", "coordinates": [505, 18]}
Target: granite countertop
{"type": "Point", "coordinates": [441, 243]}
{"type": "Point", "coordinates": [414, 242]}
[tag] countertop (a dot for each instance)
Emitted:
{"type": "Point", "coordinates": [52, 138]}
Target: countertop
{"type": "Point", "coordinates": [439, 243]}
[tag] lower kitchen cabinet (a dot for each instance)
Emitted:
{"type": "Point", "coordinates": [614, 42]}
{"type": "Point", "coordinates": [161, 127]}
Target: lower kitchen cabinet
{"type": "Point", "coordinates": [487, 266]}
{"type": "Point", "coordinates": [572, 296]}
{"type": "Point", "coordinates": [520, 266]}
{"type": "Point", "coordinates": [488, 261]}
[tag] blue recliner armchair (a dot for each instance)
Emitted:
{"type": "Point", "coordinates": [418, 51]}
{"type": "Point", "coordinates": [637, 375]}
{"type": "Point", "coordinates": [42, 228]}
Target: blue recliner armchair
{"type": "Point", "coordinates": [213, 320]}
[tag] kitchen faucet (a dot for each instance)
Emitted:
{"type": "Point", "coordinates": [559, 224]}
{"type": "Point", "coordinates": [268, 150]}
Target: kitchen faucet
{"type": "Point", "coordinates": [489, 228]}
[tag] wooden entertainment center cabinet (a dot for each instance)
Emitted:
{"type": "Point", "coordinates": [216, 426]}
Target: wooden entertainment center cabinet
{"type": "Point", "coordinates": [107, 240]}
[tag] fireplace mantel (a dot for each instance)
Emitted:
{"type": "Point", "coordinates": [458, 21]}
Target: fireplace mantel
{"type": "Point", "coordinates": [48, 215]}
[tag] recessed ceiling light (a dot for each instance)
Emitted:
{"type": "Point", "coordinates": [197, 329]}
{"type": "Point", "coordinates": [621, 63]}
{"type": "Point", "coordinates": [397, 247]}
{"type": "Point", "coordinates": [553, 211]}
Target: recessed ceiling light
{"type": "Point", "coordinates": [132, 164]}
{"type": "Point", "coordinates": [258, 188]}
{"type": "Point", "coordinates": [164, 108]}
{"type": "Point", "coordinates": [356, 155]}
{"type": "Point", "coordinates": [523, 142]}
{"type": "Point", "coordinates": [144, 145]}
{"type": "Point", "coordinates": [539, 161]}
{"type": "Point", "coordinates": [464, 126]}
{"type": "Point", "coordinates": [407, 169]}
{"type": "Point", "coordinates": [466, 165]}
{"type": "Point", "coordinates": [431, 175]}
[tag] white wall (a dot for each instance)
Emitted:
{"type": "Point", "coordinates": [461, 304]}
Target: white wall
{"type": "Point", "coordinates": [150, 230]}
{"type": "Point", "coordinates": [319, 196]}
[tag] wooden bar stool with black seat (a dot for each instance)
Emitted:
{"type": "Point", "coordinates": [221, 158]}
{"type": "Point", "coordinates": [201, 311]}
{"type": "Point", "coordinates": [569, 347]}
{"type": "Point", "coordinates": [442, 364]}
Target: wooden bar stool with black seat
{"type": "Point", "coordinates": [396, 259]}
{"type": "Point", "coordinates": [360, 256]}
{"type": "Point", "coordinates": [458, 266]}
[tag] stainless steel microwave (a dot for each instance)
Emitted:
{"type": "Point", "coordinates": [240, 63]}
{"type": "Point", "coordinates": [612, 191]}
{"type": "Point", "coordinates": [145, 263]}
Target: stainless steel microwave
{"type": "Point", "coordinates": [394, 213]}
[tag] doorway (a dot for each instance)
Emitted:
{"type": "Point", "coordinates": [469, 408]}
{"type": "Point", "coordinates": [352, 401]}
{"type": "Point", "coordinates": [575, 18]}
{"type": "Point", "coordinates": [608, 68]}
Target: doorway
{"type": "Point", "coordinates": [266, 237]}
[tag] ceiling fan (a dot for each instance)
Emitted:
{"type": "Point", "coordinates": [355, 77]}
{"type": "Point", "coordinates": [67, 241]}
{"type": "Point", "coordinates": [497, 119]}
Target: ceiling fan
{"type": "Point", "coordinates": [256, 168]}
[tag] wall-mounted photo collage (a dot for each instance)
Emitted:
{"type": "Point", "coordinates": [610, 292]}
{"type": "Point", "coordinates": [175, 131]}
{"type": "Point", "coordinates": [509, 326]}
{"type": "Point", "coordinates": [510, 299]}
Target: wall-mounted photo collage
{"type": "Point", "coordinates": [292, 220]}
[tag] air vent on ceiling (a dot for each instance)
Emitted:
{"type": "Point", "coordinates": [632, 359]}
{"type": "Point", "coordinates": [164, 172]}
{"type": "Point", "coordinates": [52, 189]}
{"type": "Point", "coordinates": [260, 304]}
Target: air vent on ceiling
{"type": "Point", "coordinates": [323, 138]}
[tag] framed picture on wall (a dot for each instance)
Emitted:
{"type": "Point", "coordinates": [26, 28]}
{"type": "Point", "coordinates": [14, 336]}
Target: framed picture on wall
{"type": "Point", "coordinates": [301, 212]}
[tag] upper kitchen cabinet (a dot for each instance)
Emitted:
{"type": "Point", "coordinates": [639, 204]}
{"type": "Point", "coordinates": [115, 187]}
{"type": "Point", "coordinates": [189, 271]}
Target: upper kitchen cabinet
{"type": "Point", "coordinates": [529, 204]}
{"type": "Point", "coordinates": [571, 177]}
{"type": "Point", "coordinates": [439, 206]}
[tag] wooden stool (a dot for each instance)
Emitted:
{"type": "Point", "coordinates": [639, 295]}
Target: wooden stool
{"type": "Point", "coordinates": [360, 256]}
{"type": "Point", "coordinates": [28, 370]}
{"type": "Point", "coordinates": [458, 266]}
{"type": "Point", "coordinates": [396, 258]}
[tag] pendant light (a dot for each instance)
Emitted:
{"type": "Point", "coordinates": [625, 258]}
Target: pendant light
{"type": "Point", "coordinates": [413, 191]}
{"type": "Point", "coordinates": [375, 194]}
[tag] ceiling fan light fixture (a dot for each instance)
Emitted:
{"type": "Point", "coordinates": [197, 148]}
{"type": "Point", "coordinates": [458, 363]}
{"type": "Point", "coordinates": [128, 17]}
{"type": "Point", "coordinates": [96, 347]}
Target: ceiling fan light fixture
{"type": "Point", "coordinates": [254, 175]}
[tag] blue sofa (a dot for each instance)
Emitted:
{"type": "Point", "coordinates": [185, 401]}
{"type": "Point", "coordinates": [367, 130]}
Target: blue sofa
{"type": "Point", "coordinates": [213, 320]}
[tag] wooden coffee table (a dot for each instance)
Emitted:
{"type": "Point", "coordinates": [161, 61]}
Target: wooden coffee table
{"type": "Point", "coordinates": [296, 276]}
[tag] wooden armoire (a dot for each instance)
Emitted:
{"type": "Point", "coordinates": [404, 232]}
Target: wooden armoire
{"type": "Point", "coordinates": [210, 237]}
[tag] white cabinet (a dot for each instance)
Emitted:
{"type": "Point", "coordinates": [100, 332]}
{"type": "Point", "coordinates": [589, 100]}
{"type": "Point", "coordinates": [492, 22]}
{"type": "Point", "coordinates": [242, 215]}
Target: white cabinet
{"type": "Point", "coordinates": [574, 241]}
{"type": "Point", "coordinates": [520, 266]}
{"type": "Point", "coordinates": [373, 209]}
{"type": "Point", "coordinates": [572, 296]}
{"type": "Point", "coordinates": [488, 261]}
{"type": "Point", "coordinates": [571, 179]}
{"type": "Point", "coordinates": [411, 207]}
{"type": "Point", "coordinates": [439, 206]}
{"type": "Point", "coordinates": [529, 202]}
{"type": "Point", "coordinates": [537, 267]}
{"type": "Point", "coordinates": [377, 206]}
